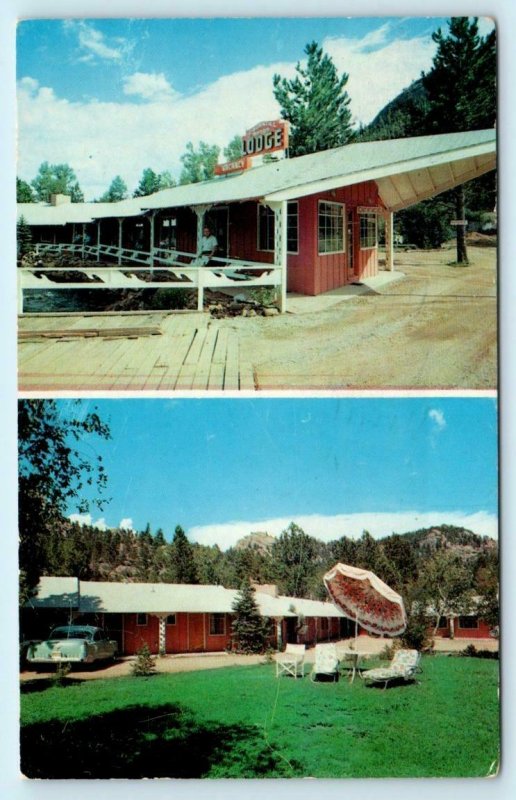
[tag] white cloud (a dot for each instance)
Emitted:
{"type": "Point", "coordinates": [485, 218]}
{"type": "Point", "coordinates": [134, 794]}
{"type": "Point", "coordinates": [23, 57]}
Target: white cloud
{"type": "Point", "coordinates": [103, 139]}
{"type": "Point", "coordinates": [149, 86]}
{"type": "Point", "coordinates": [126, 524]}
{"type": "Point", "coordinates": [93, 41]}
{"type": "Point", "coordinates": [438, 418]}
{"type": "Point", "coordinates": [327, 528]}
{"type": "Point", "coordinates": [87, 519]}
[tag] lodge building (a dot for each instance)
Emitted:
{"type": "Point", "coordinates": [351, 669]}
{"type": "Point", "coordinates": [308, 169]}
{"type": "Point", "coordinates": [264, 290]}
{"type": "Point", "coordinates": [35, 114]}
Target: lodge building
{"type": "Point", "coordinates": [306, 225]}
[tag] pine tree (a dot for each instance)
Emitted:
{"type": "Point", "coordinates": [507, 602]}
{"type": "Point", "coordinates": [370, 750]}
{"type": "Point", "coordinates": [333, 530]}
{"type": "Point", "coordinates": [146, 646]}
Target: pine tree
{"type": "Point", "coordinates": [117, 191]}
{"type": "Point", "coordinates": [183, 559]}
{"type": "Point", "coordinates": [249, 628]}
{"type": "Point", "coordinates": [461, 90]}
{"type": "Point", "coordinates": [315, 103]}
{"type": "Point", "coordinates": [23, 237]}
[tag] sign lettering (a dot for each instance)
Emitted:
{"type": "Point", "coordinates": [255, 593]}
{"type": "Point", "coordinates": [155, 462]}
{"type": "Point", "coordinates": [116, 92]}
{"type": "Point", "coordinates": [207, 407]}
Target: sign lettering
{"type": "Point", "coordinates": [266, 137]}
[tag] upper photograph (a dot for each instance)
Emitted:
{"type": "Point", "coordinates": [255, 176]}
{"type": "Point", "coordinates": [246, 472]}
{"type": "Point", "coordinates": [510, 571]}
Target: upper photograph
{"type": "Point", "coordinates": [256, 204]}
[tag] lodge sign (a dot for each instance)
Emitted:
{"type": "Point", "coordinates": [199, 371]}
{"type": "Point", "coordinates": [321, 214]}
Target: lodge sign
{"type": "Point", "coordinates": [266, 137]}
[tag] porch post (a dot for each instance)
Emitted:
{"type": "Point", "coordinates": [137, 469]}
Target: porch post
{"type": "Point", "coordinates": [200, 211]}
{"type": "Point", "coordinates": [151, 243]}
{"type": "Point", "coordinates": [98, 240]}
{"type": "Point", "coordinates": [279, 642]}
{"type": "Point", "coordinates": [83, 238]}
{"type": "Point", "coordinates": [389, 241]}
{"type": "Point", "coordinates": [120, 223]}
{"type": "Point", "coordinates": [280, 246]}
{"type": "Point", "coordinates": [162, 646]}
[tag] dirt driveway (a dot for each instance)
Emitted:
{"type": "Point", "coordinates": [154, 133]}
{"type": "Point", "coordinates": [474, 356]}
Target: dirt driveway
{"type": "Point", "coordinates": [436, 328]}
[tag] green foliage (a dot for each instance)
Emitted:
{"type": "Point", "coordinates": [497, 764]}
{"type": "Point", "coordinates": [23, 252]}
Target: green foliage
{"type": "Point", "coordinates": [23, 237]}
{"type": "Point", "coordinates": [199, 165]}
{"type": "Point", "coordinates": [62, 670]}
{"type": "Point", "coordinates": [242, 722]}
{"type": "Point", "coordinates": [54, 469]}
{"type": "Point", "coordinates": [248, 628]}
{"type": "Point", "coordinates": [24, 193]}
{"type": "Point", "coordinates": [145, 663]}
{"type": "Point", "coordinates": [427, 224]}
{"type": "Point", "coordinates": [56, 179]}
{"type": "Point", "coordinates": [171, 299]}
{"type": "Point", "coordinates": [234, 149]}
{"type": "Point", "coordinates": [293, 556]}
{"type": "Point", "coordinates": [182, 558]}
{"type": "Point", "coordinates": [315, 103]}
{"type": "Point", "coordinates": [117, 191]}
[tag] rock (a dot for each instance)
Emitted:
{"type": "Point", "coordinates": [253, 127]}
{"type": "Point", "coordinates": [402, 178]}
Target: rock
{"type": "Point", "coordinates": [270, 312]}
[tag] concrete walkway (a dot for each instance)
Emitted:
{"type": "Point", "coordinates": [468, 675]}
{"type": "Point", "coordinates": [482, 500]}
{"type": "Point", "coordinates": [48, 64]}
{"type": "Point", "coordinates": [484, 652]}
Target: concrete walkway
{"type": "Point", "coordinates": [303, 304]}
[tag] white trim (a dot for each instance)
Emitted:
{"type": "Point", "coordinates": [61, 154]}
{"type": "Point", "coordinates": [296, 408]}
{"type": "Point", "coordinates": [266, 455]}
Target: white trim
{"type": "Point", "coordinates": [342, 207]}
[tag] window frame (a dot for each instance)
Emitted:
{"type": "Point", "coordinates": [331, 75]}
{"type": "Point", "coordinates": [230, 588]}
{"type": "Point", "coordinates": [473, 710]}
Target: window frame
{"type": "Point", "coordinates": [364, 215]}
{"type": "Point", "coordinates": [271, 233]}
{"type": "Point", "coordinates": [220, 617]}
{"type": "Point", "coordinates": [329, 233]}
{"type": "Point", "coordinates": [474, 620]}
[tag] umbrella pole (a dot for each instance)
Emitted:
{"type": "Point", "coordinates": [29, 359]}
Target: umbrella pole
{"type": "Point", "coordinates": [356, 627]}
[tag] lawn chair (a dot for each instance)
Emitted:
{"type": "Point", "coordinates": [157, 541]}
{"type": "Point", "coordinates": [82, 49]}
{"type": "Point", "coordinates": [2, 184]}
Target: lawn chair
{"type": "Point", "coordinates": [292, 661]}
{"type": "Point", "coordinates": [326, 662]}
{"type": "Point", "coordinates": [403, 667]}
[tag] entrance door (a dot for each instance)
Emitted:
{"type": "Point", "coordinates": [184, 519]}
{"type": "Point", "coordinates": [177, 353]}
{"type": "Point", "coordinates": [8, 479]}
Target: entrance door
{"type": "Point", "coordinates": [350, 247]}
{"type": "Point", "coordinates": [195, 633]}
{"type": "Point", "coordinates": [219, 218]}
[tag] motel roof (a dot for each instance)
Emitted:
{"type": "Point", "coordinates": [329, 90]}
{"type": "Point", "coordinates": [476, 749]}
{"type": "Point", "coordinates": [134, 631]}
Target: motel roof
{"type": "Point", "coordinates": [406, 171]}
{"type": "Point", "coordinates": [164, 598]}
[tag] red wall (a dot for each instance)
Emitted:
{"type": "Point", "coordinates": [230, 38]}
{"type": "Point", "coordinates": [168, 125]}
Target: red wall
{"type": "Point", "coordinates": [190, 634]}
{"type": "Point", "coordinates": [482, 631]}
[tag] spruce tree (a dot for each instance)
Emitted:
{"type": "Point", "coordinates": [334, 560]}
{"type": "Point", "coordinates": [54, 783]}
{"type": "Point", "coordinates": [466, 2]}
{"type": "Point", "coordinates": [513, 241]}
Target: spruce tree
{"type": "Point", "coordinates": [249, 628]}
{"type": "Point", "coordinates": [315, 103]}
{"type": "Point", "coordinates": [23, 237]}
{"type": "Point", "coordinates": [461, 90]}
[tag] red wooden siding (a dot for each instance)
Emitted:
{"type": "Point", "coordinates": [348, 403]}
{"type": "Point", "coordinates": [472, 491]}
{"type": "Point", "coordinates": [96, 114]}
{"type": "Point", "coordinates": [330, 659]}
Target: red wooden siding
{"type": "Point", "coordinates": [480, 629]}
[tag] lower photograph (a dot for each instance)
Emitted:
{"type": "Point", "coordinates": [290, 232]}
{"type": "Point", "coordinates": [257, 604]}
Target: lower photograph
{"type": "Point", "coordinates": [259, 588]}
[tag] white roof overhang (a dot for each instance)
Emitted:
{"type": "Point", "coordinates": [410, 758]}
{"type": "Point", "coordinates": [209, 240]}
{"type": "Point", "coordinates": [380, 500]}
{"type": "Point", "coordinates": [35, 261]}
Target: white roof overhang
{"type": "Point", "coordinates": [410, 181]}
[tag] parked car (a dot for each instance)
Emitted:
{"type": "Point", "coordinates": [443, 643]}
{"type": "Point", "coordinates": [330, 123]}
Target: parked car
{"type": "Point", "coordinates": [74, 644]}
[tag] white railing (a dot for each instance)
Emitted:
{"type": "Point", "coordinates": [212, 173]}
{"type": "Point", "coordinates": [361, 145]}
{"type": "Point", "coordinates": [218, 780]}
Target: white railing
{"type": "Point", "coordinates": [164, 269]}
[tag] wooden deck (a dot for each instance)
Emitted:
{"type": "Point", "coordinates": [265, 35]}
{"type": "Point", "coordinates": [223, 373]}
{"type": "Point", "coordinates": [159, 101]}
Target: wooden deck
{"type": "Point", "coordinates": [109, 352]}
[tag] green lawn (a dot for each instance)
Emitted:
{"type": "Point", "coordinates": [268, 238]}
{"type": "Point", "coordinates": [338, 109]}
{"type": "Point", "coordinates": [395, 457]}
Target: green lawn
{"type": "Point", "coordinates": [242, 722]}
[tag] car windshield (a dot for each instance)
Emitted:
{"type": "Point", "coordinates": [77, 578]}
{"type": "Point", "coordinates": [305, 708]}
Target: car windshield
{"type": "Point", "coordinates": [70, 633]}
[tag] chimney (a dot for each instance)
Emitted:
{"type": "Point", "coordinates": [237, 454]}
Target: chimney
{"type": "Point", "coordinates": [60, 199]}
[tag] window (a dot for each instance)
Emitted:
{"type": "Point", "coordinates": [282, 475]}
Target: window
{"type": "Point", "coordinates": [331, 227]}
{"type": "Point", "coordinates": [266, 228]}
{"type": "Point", "coordinates": [324, 625]}
{"type": "Point", "coordinates": [217, 624]}
{"type": "Point", "coordinates": [171, 619]}
{"type": "Point", "coordinates": [468, 622]}
{"type": "Point", "coordinates": [368, 235]}
{"type": "Point", "coordinates": [292, 227]}
{"type": "Point", "coordinates": [141, 619]}
{"type": "Point", "coordinates": [443, 622]}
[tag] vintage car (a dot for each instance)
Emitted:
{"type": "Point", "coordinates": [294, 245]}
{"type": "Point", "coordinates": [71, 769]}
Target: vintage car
{"type": "Point", "coordinates": [74, 644]}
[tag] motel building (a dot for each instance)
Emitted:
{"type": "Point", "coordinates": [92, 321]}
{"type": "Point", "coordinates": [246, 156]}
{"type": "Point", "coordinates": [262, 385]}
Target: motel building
{"type": "Point", "coordinates": [174, 618]}
{"type": "Point", "coordinates": [178, 619]}
{"type": "Point", "coordinates": [304, 225]}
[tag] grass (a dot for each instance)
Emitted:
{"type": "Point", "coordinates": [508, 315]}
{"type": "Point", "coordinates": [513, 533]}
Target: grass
{"type": "Point", "coordinates": [241, 722]}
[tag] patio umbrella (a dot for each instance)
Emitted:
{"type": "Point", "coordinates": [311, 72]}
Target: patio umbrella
{"type": "Point", "coordinates": [362, 596]}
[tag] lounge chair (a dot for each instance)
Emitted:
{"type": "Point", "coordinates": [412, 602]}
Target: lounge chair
{"type": "Point", "coordinates": [292, 661]}
{"type": "Point", "coordinates": [326, 662]}
{"type": "Point", "coordinates": [403, 667]}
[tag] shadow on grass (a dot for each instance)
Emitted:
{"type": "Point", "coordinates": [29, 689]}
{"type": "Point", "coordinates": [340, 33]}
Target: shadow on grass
{"type": "Point", "coordinates": [42, 684]}
{"type": "Point", "coordinates": [164, 741]}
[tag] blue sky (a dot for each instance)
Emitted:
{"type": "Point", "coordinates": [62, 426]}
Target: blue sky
{"type": "Point", "coordinates": [222, 468]}
{"type": "Point", "coordinates": [114, 96]}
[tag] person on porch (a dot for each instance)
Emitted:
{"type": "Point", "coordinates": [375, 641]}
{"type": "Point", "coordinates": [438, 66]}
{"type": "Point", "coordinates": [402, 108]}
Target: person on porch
{"type": "Point", "coordinates": [209, 246]}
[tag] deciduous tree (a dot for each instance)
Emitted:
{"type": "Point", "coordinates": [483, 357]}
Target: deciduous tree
{"type": "Point", "coordinates": [199, 165]}
{"type": "Point", "coordinates": [54, 472]}
{"type": "Point", "coordinates": [56, 179]}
